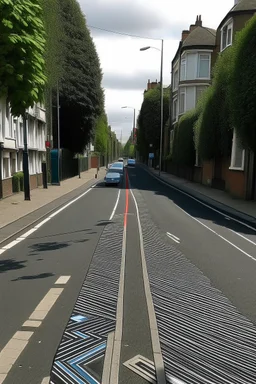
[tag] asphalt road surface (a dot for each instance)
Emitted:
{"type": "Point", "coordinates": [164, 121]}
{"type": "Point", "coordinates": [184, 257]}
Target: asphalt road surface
{"type": "Point", "coordinates": [130, 284]}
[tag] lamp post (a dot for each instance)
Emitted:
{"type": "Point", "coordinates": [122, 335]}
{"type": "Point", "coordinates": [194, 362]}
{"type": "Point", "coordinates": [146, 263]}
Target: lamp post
{"type": "Point", "coordinates": [161, 100]}
{"type": "Point", "coordinates": [58, 130]}
{"type": "Point", "coordinates": [134, 115]}
{"type": "Point", "coordinates": [25, 158]}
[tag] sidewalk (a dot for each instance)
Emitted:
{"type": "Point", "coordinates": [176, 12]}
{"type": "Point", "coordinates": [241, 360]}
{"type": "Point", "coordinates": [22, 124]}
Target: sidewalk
{"type": "Point", "coordinates": [15, 207]}
{"type": "Point", "coordinates": [245, 210]}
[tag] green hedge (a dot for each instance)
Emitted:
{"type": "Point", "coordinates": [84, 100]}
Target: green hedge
{"type": "Point", "coordinates": [213, 129]}
{"type": "Point", "coordinates": [243, 85]}
{"type": "Point", "coordinates": [183, 152]}
{"type": "Point", "coordinates": [18, 182]}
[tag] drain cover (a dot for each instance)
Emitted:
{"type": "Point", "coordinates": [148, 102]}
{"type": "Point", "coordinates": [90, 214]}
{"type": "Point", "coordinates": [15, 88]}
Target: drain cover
{"type": "Point", "coordinates": [143, 367]}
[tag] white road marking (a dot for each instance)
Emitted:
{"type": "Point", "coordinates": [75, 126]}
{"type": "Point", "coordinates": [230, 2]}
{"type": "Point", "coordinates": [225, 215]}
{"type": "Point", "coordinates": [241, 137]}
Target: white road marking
{"type": "Point", "coordinates": [46, 304]}
{"type": "Point", "coordinates": [46, 380]}
{"type": "Point", "coordinates": [12, 351]}
{"type": "Point", "coordinates": [115, 364]}
{"type": "Point", "coordinates": [217, 234]}
{"type": "Point", "coordinates": [201, 202]}
{"type": "Point", "coordinates": [63, 280]}
{"type": "Point", "coordinates": [115, 207]}
{"type": "Point", "coordinates": [32, 230]}
{"type": "Point", "coordinates": [244, 237]}
{"type": "Point", "coordinates": [173, 237]}
{"type": "Point", "coordinates": [157, 353]}
{"type": "Point", "coordinates": [32, 323]}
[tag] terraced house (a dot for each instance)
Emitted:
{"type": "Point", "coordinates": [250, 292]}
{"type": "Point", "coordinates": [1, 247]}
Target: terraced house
{"type": "Point", "coordinates": [191, 74]}
{"type": "Point", "coordinates": [12, 144]}
{"type": "Point", "coordinates": [191, 68]}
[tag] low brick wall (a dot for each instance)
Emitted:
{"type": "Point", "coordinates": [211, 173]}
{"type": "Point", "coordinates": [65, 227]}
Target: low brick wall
{"type": "Point", "coordinates": [33, 181]}
{"type": "Point", "coordinates": [7, 187]}
{"type": "Point", "coordinates": [39, 179]}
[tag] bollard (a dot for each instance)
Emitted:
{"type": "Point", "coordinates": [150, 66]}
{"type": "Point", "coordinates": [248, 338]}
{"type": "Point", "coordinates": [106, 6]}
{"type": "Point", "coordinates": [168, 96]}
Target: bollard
{"type": "Point", "coordinates": [44, 172]}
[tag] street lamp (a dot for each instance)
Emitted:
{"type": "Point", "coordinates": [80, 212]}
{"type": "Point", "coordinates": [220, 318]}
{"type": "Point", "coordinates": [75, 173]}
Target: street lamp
{"type": "Point", "coordinates": [134, 112]}
{"type": "Point", "coordinates": [161, 100]}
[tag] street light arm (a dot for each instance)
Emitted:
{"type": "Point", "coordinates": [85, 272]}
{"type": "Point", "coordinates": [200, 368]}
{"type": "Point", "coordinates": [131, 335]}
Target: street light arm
{"type": "Point", "coordinates": [146, 48]}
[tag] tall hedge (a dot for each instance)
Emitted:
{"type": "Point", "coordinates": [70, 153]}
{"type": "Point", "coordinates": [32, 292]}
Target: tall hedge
{"type": "Point", "coordinates": [243, 85]}
{"type": "Point", "coordinates": [214, 126]}
{"type": "Point", "coordinates": [81, 94]}
{"type": "Point", "coordinates": [149, 120]}
{"type": "Point", "coordinates": [22, 49]}
{"type": "Point", "coordinates": [183, 145]}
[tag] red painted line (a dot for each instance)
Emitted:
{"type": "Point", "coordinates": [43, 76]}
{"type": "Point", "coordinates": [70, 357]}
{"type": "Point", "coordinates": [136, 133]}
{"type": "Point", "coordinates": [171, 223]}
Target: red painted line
{"type": "Point", "coordinates": [126, 198]}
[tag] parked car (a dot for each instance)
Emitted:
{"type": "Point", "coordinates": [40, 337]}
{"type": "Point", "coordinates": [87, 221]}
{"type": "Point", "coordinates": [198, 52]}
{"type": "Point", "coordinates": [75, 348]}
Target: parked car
{"type": "Point", "coordinates": [120, 160]}
{"type": "Point", "coordinates": [112, 178]}
{"type": "Point", "coordinates": [131, 163]}
{"type": "Point", "coordinates": [117, 167]}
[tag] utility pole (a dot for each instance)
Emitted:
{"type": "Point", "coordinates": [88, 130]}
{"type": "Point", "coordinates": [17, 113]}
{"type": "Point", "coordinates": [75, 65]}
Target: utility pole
{"type": "Point", "coordinates": [25, 159]}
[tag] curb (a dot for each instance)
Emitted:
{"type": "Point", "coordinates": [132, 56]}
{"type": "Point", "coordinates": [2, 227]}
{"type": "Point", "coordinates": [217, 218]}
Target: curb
{"type": "Point", "coordinates": [250, 221]}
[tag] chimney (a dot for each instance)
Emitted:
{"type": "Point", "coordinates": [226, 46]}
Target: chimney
{"type": "Point", "coordinates": [184, 34]}
{"type": "Point", "coordinates": [198, 23]}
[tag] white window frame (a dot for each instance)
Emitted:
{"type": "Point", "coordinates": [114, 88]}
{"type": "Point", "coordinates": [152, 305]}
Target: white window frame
{"type": "Point", "coordinates": [175, 100]}
{"type": "Point", "coordinates": [183, 62]}
{"type": "Point", "coordinates": [198, 65]}
{"type": "Point", "coordinates": [233, 154]}
{"type": "Point", "coordinates": [176, 86]}
{"type": "Point", "coordinates": [8, 176]}
{"type": "Point", "coordinates": [182, 90]}
{"type": "Point", "coordinates": [229, 26]}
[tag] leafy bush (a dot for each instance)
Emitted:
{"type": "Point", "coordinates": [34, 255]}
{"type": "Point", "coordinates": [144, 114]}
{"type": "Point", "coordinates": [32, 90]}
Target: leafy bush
{"type": "Point", "coordinates": [213, 129]}
{"type": "Point", "coordinates": [183, 145]}
{"type": "Point", "coordinates": [18, 182]}
{"type": "Point", "coordinates": [243, 85]}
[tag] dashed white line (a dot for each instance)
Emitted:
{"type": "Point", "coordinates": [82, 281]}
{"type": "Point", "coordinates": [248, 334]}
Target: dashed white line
{"type": "Point", "coordinates": [173, 237]}
{"type": "Point", "coordinates": [63, 280]}
{"type": "Point", "coordinates": [32, 323]}
{"type": "Point", "coordinates": [12, 351]}
{"type": "Point", "coordinates": [46, 304]}
{"type": "Point", "coordinates": [46, 380]}
{"type": "Point", "coordinates": [115, 207]}
{"type": "Point", "coordinates": [32, 230]}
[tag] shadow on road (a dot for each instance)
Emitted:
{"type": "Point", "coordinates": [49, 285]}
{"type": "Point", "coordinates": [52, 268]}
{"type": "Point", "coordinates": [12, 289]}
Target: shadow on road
{"type": "Point", "coordinates": [11, 264]}
{"type": "Point", "coordinates": [35, 277]}
{"type": "Point", "coordinates": [63, 234]}
{"type": "Point", "coordinates": [143, 181]}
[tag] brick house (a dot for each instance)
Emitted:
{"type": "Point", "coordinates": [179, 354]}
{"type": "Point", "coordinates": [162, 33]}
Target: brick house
{"type": "Point", "coordinates": [11, 146]}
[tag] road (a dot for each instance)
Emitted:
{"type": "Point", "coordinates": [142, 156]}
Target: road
{"type": "Point", "coordinates": [120, 283]}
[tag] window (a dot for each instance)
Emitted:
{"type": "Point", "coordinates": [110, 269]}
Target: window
{"type": "Point", "coordinates": [203, 66]}
{"type": "Point", "coordinates": [182, 100]}
{"type": "Point", "coordinates": [19, 161]}
{"type": "Point", "coordinates": [199, 91]}
{"type": "Point", "coordinates": [176, 79]}
{"type": "Point", "coordinates": [183, 70]}
{"type": "Point", "coordinates": [237, 155]}
{"type": "Point", "coordinates": [6, 165]}
{"type": "Point", "coordinates": [13, 163]}
{"type": "Point", "coordinates": [174, 110]}
{"type": "Point", "coordinates": [226, 35]}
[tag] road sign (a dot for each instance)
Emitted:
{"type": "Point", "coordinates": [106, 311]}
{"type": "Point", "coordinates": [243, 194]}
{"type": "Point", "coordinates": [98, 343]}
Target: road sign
{"type": "Point", "coordinates": [151, 155]}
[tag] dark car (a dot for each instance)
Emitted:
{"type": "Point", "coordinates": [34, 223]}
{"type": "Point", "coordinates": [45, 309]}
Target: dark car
{"type": "Point", "coordinates": [112, 178]}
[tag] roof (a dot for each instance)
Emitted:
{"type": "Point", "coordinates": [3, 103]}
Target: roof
{"type": "Point", "coordinates": [244, 5]}
{"type": "Point", "coordinates": [200, 36]}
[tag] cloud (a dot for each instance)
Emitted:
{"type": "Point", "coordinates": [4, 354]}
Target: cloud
{"type": "Point", "coordinates": [123, 81]}
{"type": "Point", "coordinates": [128, 17]}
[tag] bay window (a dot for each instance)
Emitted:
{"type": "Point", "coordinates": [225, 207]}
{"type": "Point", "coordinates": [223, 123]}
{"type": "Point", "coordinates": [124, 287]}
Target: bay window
{"type": "Point", "coordinates": [183, 70]}
{"type": "Point", "coordinates": [203, 71]}
{"type": "Point", "coordinates": [226, 35]}
{"type": "Point", "coordinates": [182, 106]}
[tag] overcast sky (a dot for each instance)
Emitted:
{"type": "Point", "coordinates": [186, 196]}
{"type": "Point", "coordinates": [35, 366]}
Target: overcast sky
{"type": "Point", "coordinates": [126, 69]}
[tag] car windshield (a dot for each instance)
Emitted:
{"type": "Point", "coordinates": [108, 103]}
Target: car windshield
{"type": "Point", "coordinates": [117, 165]}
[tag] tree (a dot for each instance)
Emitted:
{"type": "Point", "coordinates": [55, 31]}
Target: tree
{"type": "Point", "coordinates": [22, 48]}
{"type": "Point", "coordinates": [214, 125]}
{"type": "Point", "coordinates": [184, 148]}
{"type": "Point", "coordinates": [149, 120]}
{"type": "Point", "coordinates": [101, 135]}
{"type": "Point", "coordinates": [81, 94]}
{"type": "Point", "coordinates": [243, 85]}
